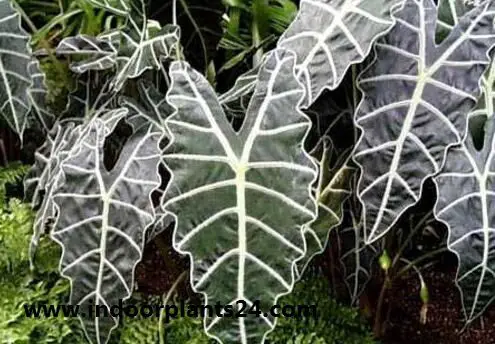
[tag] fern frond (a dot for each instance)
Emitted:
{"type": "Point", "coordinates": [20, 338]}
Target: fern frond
{"type": "Point", "coordinates": [11, 174]}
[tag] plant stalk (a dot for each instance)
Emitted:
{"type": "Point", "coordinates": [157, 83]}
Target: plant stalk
{"type": "Point", "coordinates": [161, 327]}
{"type": "Point", "coordinates": [421, 259]}
{"type": "Point", "coordinates": [377, 326]}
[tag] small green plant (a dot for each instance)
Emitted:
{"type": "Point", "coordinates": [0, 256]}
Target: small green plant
{"type": "Point", "coordinates": [335, 323]}
{"type": "Point", "coordinates": [13, 173]}
{"type": "Point", "coordinates": [250, 26]}
{"type": "Point", "coordinates": [20, 285]}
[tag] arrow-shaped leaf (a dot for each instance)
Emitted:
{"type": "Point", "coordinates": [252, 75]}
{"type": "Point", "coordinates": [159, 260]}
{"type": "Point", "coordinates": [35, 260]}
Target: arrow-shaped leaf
{"type": "Point", "coordinates": [465, 194]}
{"type": "Point", "coordinates": [15, 56]}
{"type": "Point", "coordinates": [118, 7]}
{"type": "Point", "coordinates": [329, 36]}
{"type": "Point", "coordinates": [139, 46]}
{"type": "Point", "coordinates": [102, 219]}
{"type": "Point", "coordinates": [142, 48]}
{"type": "Point", "coordinates": [416, 97]}
{"type": "Point", "coordinates": [240, 199]}
{"type": "Point", "coordinates": [99, 54]}
{"type": "Point", "coordinates": [45, 174]}
{"type": "Point", "coordinates": [466, 203]}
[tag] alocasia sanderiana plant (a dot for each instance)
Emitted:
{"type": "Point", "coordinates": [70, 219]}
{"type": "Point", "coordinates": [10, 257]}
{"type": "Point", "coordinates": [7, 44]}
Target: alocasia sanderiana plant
{"type": "Point", "coordinates": [251, 206]}
{"type": "Point", "coordinates": [466, 194]}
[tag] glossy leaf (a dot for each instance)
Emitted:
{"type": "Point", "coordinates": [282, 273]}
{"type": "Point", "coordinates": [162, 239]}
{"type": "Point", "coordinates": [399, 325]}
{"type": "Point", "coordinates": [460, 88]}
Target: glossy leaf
{"type": "Point", "coordinates": [327, 37]}
{"type": "Point", "coordinates": [102, 218]}
{"type": "Point", "coordinates": [464, 189]}
{"type": "Point", "coordinates": [45, 175]}
{"type": "Point", "coordinates": [416, 97]}
{"type": "Point", "coordinates": [330, 36]}
{"type": "Point", "coordinates": [466, 203]}
{"type": "Point", "coordinates": [222, 182]}
{"type": "Point", "coordinates": [99, 54]}
{"type": "Point", "coordinates": [15, 56]}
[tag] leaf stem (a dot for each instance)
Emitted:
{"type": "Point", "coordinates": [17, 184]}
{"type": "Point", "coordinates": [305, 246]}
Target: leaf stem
{"type": "Point", "coordinates": [413, 231]}
{"type": "Point", "coordinates": [174, 12]}
{"type": "Point", "coordinates": [24, 16]}
{"type": "Point", "coordinates": [420, 260]}
{"type": "Point", "coordinates": [200, 35]}
{"type": "Point", "coordinates": [161, 328]}
{"type": "Point", "coordinates": [258, 6]}
{"type": "Point", "coordinates": [377, 327]}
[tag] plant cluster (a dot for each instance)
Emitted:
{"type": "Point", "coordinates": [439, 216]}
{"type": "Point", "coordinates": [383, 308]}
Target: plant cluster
{"type": "Point", "coordinates": [19, 283]}
{"type": "Point", "coordinates": [253, 180]}
{"type": "Point", "coordinates": [42, 285]}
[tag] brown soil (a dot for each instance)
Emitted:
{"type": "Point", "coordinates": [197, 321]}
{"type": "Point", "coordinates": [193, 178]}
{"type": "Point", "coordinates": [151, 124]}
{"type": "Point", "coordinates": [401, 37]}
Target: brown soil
{"type": "Point", "coordinates": [160, 268]}
{"type": "Point", "coordinates": [445, 318]}
{"type": "Point", "coordinates": [445, 324]}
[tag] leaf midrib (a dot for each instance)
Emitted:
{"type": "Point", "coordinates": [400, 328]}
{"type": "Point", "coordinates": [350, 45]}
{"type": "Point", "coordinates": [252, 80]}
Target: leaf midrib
{"type": "Point", "coordinates": [424, 74]}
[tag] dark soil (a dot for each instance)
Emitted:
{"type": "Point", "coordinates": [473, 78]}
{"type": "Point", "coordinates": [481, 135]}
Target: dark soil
{"type": "Point", "coordinates": [444, 323]}
{"type": "Point", "coordinates": [160, 267]}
